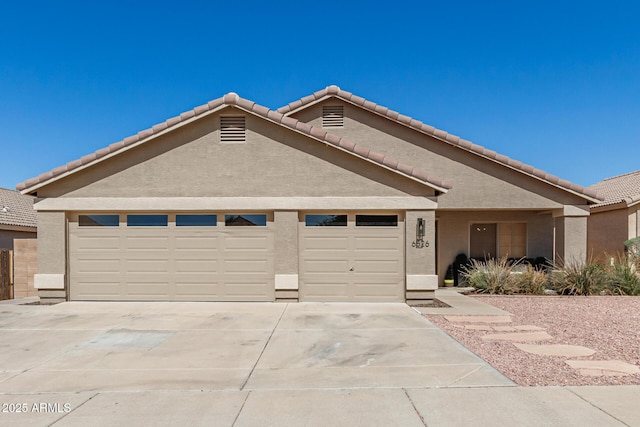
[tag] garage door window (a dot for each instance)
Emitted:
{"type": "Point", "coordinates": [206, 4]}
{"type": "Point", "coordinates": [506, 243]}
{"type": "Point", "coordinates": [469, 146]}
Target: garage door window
{"type": "Point", "coordinates": [196, 220]}
{"type": "Point", "coordinates": [245, 220]}
{"type": "Point", "coordinates": [325, 220]}
{"type": "Point", "coordinates": [376, 220]}
{"type": "Point", "coordinates": [98, 220]}
{"type": "Point", "coordinates": [147, 220]}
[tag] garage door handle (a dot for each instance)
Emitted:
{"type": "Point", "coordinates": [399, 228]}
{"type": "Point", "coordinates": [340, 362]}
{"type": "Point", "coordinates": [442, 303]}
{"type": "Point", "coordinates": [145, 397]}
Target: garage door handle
{"type": "Point", "coordinates": [350, 268]}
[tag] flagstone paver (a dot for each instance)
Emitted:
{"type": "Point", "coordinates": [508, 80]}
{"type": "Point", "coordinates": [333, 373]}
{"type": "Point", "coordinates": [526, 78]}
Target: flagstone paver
{"type": "Point", "coordinates": [474, 327]}
{"type": "Point", "coordinates": [593, 368]}
{"type": "Point", "coordinates": [563, 350]}
{"type": "Point", "coordinates": [519, 336]}
{"type": "Point", "coordinates": [528, 328]}
{"type": "Point", "coordinates": [478, 319]}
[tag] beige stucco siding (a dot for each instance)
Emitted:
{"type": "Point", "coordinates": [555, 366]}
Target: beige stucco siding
{"type": "Point", "coordinates": [274, 161]}
{"type": "Point", "coordinates": [477, 182]}
{"type": "Point", "coordinates": [607, 232]}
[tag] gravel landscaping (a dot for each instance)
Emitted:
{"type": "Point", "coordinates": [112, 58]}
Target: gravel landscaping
{"type": "Point", "coordinates": [610, 325]}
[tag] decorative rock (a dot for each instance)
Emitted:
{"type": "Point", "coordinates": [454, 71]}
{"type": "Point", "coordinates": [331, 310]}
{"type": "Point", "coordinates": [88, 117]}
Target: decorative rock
{"type": "Point", "coordinates": [550, 292]}
{"type": "Point", "coordinates": [593, 368]}
{"type": "Point", "coordinates": [556, 350]}
{"type": "Point", "coordinates": [519, 336]}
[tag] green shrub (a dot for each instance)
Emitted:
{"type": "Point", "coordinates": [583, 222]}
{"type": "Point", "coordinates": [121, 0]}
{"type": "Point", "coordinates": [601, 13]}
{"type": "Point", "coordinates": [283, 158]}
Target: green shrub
{"type": "Point", "coordinates": [530, 280]}
{"type": "Point", "coordinates": [491, 276]}
{"type": "Point", "coordinates": [623, 278]}
{"type": "Point", "coordinates": [579, 278]}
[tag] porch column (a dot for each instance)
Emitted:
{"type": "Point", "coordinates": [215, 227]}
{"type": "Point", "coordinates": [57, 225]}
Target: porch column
{"type": "Point", "coordinates": [50, 280]}
{"type": "Point", "coordinates": [420, 267]}
{"type": "Point", "coordinates": [286, 255]}
{"type": "Point", "coordinates": [570, 233]}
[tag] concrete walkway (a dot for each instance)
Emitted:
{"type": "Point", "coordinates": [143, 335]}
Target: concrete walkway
{"type": "Point", "coordinates": [461, 305]}
{"type": "Point", "coordinates": [204, 364]}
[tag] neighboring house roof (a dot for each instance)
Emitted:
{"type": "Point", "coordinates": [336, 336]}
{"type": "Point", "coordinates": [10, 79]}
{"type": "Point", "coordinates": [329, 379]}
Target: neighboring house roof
{"type": "Point", "coordinates": [16, 210]}
{"type": "Point", "coordinates": [622, 189]}
{"type": "Point", "coordinates": [232, 99]}
{"type": "Point", "coordinates": [336, 92]}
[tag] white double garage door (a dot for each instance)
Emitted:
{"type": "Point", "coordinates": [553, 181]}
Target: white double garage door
{"type": "Point", "coordinates": [230, 257]}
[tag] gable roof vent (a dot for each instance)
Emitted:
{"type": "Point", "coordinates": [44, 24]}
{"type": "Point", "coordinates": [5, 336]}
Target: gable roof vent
{"type": "Point", "coordinates": [332, 116]}
{"type": "Point", "coordinates": [232, 129]}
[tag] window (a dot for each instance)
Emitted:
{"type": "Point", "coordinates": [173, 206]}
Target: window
{"type": "Point", "coordinates": [196, 220]}
{"type": "Point", "coordinates": [325, 220]}
{"type": "Point", "coordinates": [332, 116]}
{"type": "Point", "coordinates": [147, 220]}
{"type": "Point", "coordinates": [245, 220]}
{"type": "Point", "coordinates": [376, 220]}
{"type": "Point", "coordinates": [232, 129]}
{"type": "Point", "coordinates": [99, 220]}
{"type": "Point", "coordinates": [505, 239]}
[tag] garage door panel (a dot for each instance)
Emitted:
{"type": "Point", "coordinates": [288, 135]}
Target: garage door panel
{"type": "Point", "coordinates": [148, 288]}
{"type": "Point", "coordinates": [147, 266]}
{"type": "Point", "coordinates": [101, 290]}
{"type": "Point", "coordinates": [171, 263]}
{"type": "Point", "coordinates": [98, 266]}
{"type": "Point", "coordinates": [197, 266]}
{"type": "Point", "coordinates": [248, 242]}
{"type": "Point", "coordinates": [97, 243]}
{"type": "Point", "coordinates": [196, 243]}
{"type": "Point", "coordinates": [326, 266]}
{"type": "Point", "coordinates": [351, 263]}
{"type": "Point", "coordinates": [245, 266]}
{"type": "Point", "coordinates": [327, 291]}
{"type": "Point", "coordinates": [327, 243]}
{"type": "Point", "coordinates": [390, 243]}
{"type": "Point", "coordinates": [377, 266]}
{"type": "Point", "coordinates": [195, 289]}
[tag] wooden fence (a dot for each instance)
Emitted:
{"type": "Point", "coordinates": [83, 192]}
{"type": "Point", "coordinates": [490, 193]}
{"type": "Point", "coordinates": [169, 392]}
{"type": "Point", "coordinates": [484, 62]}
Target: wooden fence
{"type": "Point", "coordinates": [6, 274]}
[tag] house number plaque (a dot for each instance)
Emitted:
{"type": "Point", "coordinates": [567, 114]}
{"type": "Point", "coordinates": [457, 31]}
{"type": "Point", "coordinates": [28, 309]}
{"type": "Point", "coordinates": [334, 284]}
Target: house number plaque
{"type": "Point", "coordinates": [420, 244]}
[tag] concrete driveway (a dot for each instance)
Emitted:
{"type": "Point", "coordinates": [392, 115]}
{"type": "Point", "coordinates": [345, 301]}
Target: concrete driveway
{"type": "Point", "coordinates": [224, 363]}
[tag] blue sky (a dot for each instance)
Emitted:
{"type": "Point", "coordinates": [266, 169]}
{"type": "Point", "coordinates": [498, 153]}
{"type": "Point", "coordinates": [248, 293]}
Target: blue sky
{"type": "Point", "coordinates": [553, 84]}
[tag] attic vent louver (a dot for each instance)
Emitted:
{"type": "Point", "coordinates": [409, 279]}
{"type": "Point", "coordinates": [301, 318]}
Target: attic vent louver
{"type": "Point", "coordinates": [332, 116]}
{"type": "Point", "coordinates": [232, 129]}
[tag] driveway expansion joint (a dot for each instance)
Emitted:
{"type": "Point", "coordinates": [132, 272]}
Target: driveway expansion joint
{"type": "Point", "coordinates": [253, 368]}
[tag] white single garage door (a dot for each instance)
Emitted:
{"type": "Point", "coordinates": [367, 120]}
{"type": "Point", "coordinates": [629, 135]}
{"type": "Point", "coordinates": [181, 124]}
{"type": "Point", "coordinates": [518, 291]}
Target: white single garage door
{"type": "Point", "coordinates": [351, 257]}
{"type": "Point", "coordinates": [174, 257]}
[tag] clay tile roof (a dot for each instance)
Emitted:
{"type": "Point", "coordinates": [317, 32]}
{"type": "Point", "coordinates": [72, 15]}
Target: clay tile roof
{"type": "Point", "coordinates": [335, 91]}
{"type": "Point", "coordinates": [16, 209]}
{"type": "Point", "coordinates": [233, 99]}
{"type": "Point", "coordinates": [622, 188]}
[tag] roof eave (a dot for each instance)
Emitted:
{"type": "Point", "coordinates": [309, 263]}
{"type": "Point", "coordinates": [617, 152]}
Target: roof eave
{"type": "Point", "coordinates": [229, 100]}
{"type": "Point", "coordinates": [121, 149]}
{"type": "Point", "coordinates": [430, 131]}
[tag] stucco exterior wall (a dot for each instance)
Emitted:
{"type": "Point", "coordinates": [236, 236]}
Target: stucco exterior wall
{"type": "Point", "coordinates": [571, 238]}
{"type": "Point", "coordinates": [52, 255]}
{"type": "Point", "coordinates": [607, 232]}
{"type": "Point", "coordinates": [192, 162]}
{"type": "Point", "coordinates": [634, 221]}
{"type": "Point", "coordinates": [477, 183]}
{"type": "Point", "coordinates": [7, 237]}
{"type": "Point", "coordinates": [453, 233]}
{"type": "Point", "coordinates": [420, 260]}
